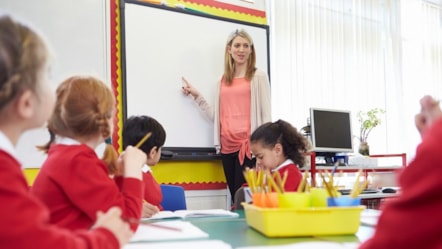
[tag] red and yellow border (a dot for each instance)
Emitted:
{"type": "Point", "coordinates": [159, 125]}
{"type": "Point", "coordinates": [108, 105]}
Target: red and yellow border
{"type": "Point", "coordinates": [189, 174]}
{"type": "Point", "coordinates": [220, 9]}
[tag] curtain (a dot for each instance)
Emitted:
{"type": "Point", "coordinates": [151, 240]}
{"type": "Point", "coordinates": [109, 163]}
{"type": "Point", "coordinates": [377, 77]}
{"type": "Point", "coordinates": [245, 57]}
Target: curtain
{"type": "Point", "coordinates": [422, 59]}
{"type": "Point", "coordinates": [348, 55]}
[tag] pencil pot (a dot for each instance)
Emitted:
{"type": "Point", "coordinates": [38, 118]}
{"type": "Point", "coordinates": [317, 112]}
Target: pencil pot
{"type": "Point", "coordinates": [319, 197]}
{"type": "Point", "coordinates": [294, 200]}
{"type": "Point", "coordinates": [343, 201]}
{"type": "Point", "coordinates": [271, 200]}
{"type": "Point", "coordinates": [258, 199]}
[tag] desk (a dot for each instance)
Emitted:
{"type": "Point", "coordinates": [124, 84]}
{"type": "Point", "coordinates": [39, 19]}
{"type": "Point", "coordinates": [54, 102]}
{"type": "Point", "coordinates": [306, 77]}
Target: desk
{"type": "Point", "coordinates": [237, 233]}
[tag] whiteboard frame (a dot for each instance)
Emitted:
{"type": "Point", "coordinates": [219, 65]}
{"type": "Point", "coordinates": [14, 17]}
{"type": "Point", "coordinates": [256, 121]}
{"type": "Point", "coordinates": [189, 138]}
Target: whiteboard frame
{"type": "Point", "coordinates": [170, 151]}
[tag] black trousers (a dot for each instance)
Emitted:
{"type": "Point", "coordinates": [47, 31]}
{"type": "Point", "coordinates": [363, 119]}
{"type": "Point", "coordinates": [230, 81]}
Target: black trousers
{"type": "Point", "coordinates": [233, 171]}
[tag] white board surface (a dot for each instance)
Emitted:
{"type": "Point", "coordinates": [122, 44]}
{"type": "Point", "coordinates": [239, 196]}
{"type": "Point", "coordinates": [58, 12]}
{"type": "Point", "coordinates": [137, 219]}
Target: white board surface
{"type": "Point", "coordinates": [161, 46]}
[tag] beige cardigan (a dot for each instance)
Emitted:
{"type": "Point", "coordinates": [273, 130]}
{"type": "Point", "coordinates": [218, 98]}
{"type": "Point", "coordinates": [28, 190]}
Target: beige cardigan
{"type": "Point", "coordinates": [261, 105]}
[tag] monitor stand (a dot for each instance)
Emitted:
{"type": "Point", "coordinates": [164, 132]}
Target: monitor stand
{"type": "Point", "coordinates": [328, 158]}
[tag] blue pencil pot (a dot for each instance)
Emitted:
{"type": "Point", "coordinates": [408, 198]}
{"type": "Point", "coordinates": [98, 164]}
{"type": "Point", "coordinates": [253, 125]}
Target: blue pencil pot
{"type": "Point", "coordinates": [343, 201]}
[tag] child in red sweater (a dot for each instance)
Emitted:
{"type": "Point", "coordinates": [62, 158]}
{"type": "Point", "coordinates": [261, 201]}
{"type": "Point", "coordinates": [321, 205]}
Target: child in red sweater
{"type": "Point", "coordinates": [26, 102]}
{"type": "Point", "coordinates": [412, 220]}
{"type": "Point", "coordinates": [279, 147]}
{"type": "Point", "coordinates": [73, 182]}
{"type": "Point", "coordinates": [134, 128]}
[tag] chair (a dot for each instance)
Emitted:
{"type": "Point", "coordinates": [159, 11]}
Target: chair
{"type": "Point", "coordinates": [240, 196]}
{"type": "Point", "coordinates": [173, 197]}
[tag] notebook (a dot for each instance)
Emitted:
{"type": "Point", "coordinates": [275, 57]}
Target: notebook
{"type": "Point", "coordinates": [194, 244]}
{"type": "Point", "coordinates": [184, 214]}
{"type": "Point", "coordinates": [168, 230]}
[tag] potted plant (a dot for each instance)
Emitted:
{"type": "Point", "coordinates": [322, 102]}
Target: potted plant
{"type": "Point", "coordinates": [367, 120]}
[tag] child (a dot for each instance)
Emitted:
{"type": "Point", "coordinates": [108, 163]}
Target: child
{"type": "Point", "coordinates": [73, 182]}
{"type": "Point", "coordinates": [134, 130]}
{"type": "Point", "coordinates": [26, 102]}
{"type": "Point", "coordinates": [412, 220]}
{"type": "Point", "coordinates": [278, 146]}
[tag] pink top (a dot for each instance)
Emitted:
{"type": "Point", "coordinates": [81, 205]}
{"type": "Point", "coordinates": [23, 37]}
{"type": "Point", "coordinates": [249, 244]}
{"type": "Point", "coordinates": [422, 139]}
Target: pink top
{"type": "Point", "coordinates": [235, 101]}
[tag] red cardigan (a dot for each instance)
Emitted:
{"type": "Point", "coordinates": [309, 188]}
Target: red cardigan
{"type": "Point", "coordinates": [152, 190]}
{"type": "Point", "coordinates": [294, 176]}
{"type": "Point", "coordinates": [25, 220]}
{"type": "Point", "coordinates": [74, 183]}
{"type": "Point", "coordinates": [414, 218]}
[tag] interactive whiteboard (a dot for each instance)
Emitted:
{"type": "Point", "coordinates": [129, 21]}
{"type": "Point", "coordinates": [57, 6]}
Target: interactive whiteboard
{"type": "Point", "coordinates": [162, 44]}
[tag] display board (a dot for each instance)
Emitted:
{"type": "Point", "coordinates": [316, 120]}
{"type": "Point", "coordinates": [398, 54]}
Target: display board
{"type": "Point", "coordinates": [161, 45]}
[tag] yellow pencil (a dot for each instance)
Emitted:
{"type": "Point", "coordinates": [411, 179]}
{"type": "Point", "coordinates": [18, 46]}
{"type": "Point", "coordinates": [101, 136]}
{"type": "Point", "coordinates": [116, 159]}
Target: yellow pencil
{"type": "Point", "coordinates": [272, 182]}
{"type": "Point", "coordinates": [284, 178]}
{"type": "Point", "coordinates": [141, 142]}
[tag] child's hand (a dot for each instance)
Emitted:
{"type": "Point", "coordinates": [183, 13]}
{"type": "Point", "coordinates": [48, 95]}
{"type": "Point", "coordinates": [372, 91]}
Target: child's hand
{"type": "Point", "coordinates": [430, 111]}
{"type": "Point", "coordinates": [149, 210]}
{"type": "Point", "coordinates": [111, 220]}
{"type": "Point", "coordinates": [133, 159]}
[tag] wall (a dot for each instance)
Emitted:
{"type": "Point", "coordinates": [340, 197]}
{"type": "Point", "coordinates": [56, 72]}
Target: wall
{"type": "Point", "coordinates": [77, 33]}
{"type": "Point", "coordinates": [80, 33]}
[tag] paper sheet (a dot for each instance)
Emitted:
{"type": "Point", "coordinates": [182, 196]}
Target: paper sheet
{"type": "Point", "coordinates": [308, 245]}
{"type": "Point", "coordinates": [155, 233]}
{"type": "Point", "coordinates": [194, 244]}
{"type": "Point", "coordinates": [183, 214]}
{"type": "Point", "coordinates": [369, 217]}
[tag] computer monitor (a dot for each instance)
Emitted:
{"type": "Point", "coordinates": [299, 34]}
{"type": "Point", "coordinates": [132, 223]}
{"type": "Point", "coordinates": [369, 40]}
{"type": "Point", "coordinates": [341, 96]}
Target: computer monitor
{"type": "Point", "coordinates": [330, 132]}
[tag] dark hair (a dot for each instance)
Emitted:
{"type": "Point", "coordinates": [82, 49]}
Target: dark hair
{"type": "Point", "coordinates": [294, 144]}
{"type": "Point", "coordinates": [136, 127]}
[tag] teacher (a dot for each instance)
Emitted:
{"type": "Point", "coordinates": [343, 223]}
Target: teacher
{"type": "Point", "coordinates": [242, 103]}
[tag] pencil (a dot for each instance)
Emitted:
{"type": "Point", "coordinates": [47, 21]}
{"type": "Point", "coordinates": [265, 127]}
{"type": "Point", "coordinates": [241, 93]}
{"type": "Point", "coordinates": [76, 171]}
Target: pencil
{"type": "Point", "coordinates": [136, 221]}
{"type": "Point", "coordinates": [162, 226]}
{"type": "Point", "coordinates": [141, 142]}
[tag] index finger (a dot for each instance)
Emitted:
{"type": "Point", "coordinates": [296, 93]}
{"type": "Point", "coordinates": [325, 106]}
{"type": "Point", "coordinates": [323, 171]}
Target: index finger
{"type": "Point", "coordinates": [185, 81]}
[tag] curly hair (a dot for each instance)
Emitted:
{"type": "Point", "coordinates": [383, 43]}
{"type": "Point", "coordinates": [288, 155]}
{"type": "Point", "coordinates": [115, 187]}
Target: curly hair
{"type": "Point", "coordinates": [294, 144]}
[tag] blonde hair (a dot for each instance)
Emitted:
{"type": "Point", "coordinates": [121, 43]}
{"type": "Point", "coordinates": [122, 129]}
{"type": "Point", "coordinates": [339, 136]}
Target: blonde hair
{"type": "Point", "coordinates": [229, 65]}
{"type": "Point", "coordinates": [83, 107]}
{"type": "Point", "coordinates": [23, 53]}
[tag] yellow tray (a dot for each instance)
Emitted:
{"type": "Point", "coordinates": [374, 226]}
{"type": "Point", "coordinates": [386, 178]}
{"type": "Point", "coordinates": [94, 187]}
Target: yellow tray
{"type": "Point", "coordinates": [287, 222]}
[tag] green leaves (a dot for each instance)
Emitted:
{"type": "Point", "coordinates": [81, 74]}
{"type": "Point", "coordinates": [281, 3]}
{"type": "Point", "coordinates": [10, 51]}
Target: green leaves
{"type": "Point", "coordinates": [368, 120]}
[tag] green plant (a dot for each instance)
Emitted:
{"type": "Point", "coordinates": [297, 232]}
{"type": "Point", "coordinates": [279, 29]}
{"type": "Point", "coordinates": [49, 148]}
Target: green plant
{"type": "Point", "coordinates": [368, 120]}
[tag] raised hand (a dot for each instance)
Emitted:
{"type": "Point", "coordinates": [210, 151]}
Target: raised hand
{"type": "Point", "coordinates": [189, 89]}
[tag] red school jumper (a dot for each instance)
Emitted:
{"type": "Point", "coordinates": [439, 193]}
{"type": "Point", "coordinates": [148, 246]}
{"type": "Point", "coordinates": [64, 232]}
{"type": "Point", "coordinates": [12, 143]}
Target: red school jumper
{"type": "Point", "coordinates": [414, 218]}
{"type": "Point", "coordinates": [294, 175]}
{"type": "Point", "coordinates": [152, 190]}
{"type": "Point", "coordinates": [74, 183]}
{"type": "Point", "coordinates": [25, 220]}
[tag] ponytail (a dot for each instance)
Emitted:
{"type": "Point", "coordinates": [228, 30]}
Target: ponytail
{"type": "Point", "coordinates": [110, 157]}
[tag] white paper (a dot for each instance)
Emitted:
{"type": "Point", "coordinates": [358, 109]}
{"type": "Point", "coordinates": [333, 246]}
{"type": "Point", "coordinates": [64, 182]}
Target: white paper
{"type": "Point", "coordinates": [369, 217]}
{"type": "Point", "coordinates": [183, 214]}
{"type": "Point", "coordinates": [309, 245]}
{"type": "Point", "coordinates": [187, 230]}
{"type": "Point", "coordinates": [194, 244]}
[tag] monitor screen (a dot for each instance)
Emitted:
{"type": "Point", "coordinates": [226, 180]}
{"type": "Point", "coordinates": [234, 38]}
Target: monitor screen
{"type": "Point", "coordinates": [331, 130]}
